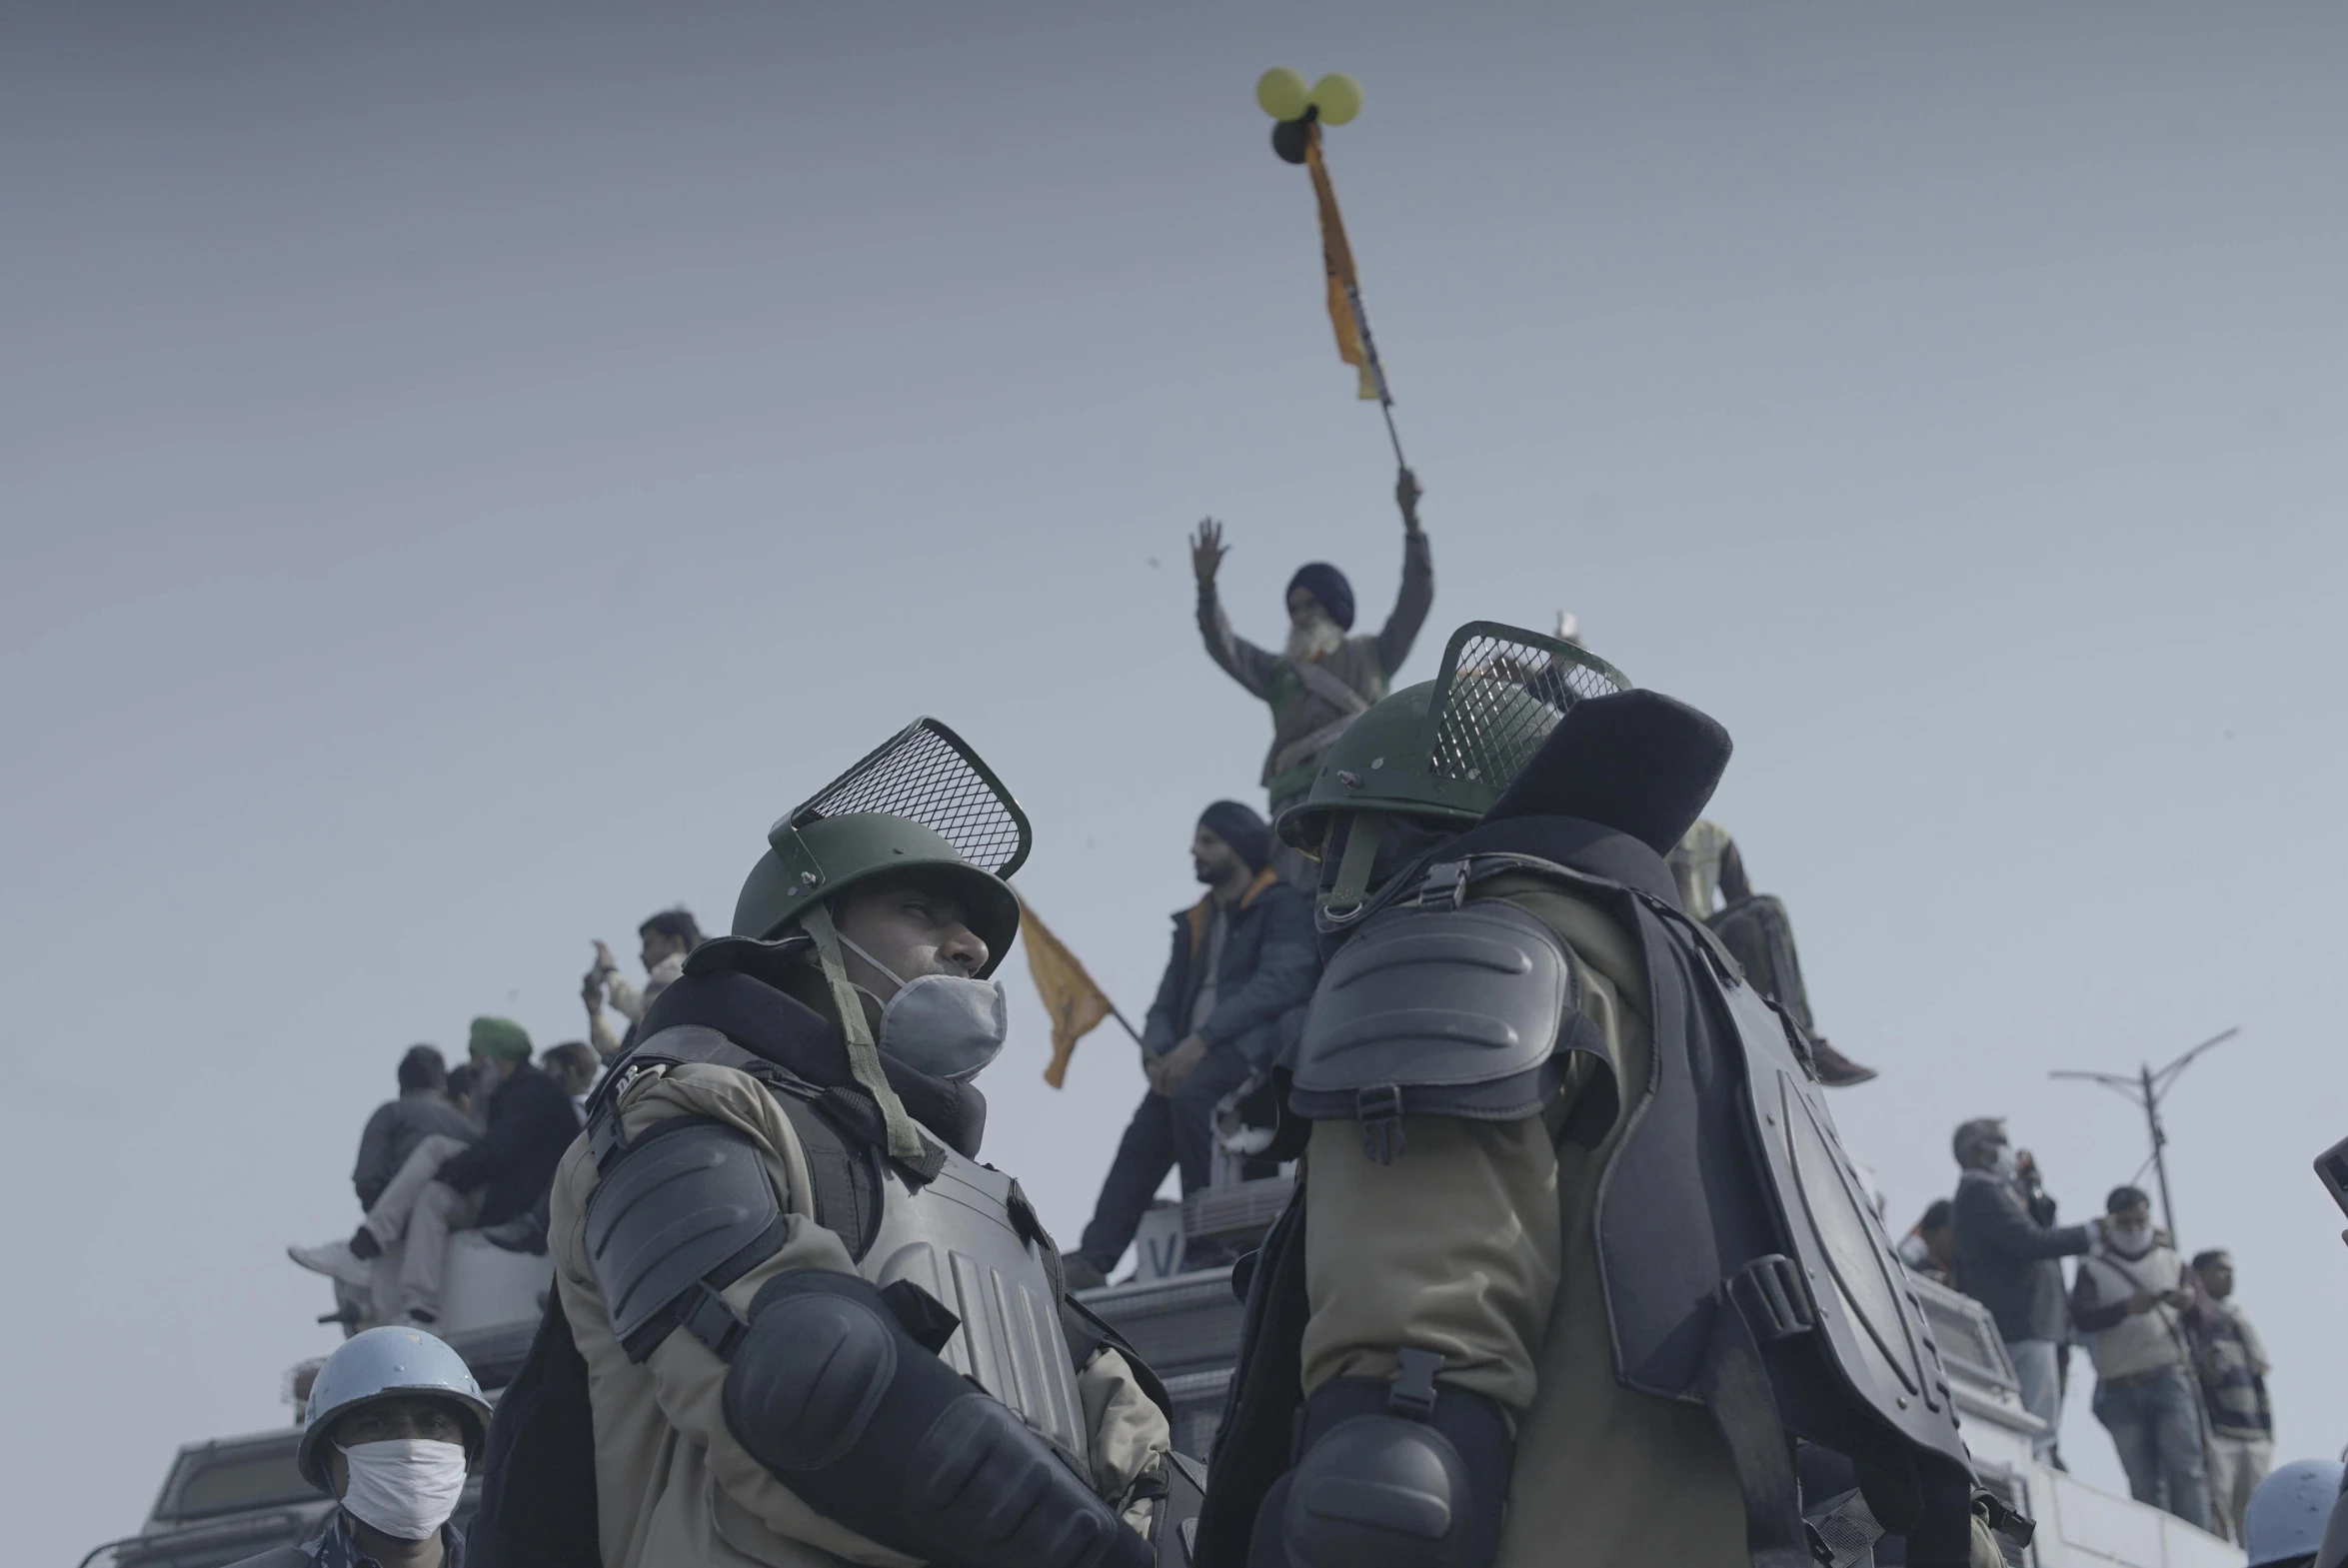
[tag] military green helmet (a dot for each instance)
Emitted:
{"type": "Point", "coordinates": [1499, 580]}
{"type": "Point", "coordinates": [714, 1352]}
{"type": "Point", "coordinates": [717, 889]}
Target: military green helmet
{"type": "Point", "coordinates": [1441, 753]}
{"type": "Point", "coordinates": [922, 800]}
{"type": "Point", "coordinates": [1379, 762]}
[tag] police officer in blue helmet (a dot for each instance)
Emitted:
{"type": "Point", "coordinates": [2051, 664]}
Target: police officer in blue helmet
{"type": "Point", "coordinates": [2284, 1526]}
{"type": "Point", "coordinates": [394, 1421]}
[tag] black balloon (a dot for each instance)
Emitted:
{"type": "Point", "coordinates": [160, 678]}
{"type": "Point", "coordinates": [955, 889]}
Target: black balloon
{"type": "Point", "coordinates": [1291, 137]}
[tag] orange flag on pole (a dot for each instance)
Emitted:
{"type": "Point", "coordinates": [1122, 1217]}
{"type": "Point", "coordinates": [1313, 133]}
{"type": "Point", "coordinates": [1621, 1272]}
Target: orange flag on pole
{"type": "Point", "coordinates": [1344, 286]}
{"type": "Point", "coordinates": [1076, 1004]}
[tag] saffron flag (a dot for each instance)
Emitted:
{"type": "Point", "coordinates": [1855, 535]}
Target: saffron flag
{"type": "Point", "coordinates": [1345, 287]}
{"type": "Point", "coordinates": [1075, 1004]}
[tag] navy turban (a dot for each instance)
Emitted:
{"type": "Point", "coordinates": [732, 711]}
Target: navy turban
{"type": "Point", "coordinates": [1242, 828]}
{"type": "Point", "coordinates": [1327, 584]}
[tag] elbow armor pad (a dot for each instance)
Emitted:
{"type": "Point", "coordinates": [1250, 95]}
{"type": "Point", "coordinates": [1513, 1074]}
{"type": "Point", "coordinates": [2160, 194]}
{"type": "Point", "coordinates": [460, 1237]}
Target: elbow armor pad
{"type": "Point", "coordinates": [835, 1397]}
{"type": "Point", "coordinates": [1394, 1475]}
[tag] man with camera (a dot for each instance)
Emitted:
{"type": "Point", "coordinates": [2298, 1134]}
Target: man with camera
{"type": "Point", "coordinates": [2008, 1257]}
{"type": "Point", "coordinates": [2132, 1295]}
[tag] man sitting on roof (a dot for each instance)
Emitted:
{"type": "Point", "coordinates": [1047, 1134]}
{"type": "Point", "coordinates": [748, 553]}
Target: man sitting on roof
{"type": "Point", "coordinates": [446, 1185]}
{"type": "Point", "coordinates": [1244, 965]}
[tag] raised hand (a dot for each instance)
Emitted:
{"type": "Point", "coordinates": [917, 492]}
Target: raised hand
{"type": "Point", "coordinates": [1407, 494]}
{"type": "Point", "coordinates": [1207, 550]}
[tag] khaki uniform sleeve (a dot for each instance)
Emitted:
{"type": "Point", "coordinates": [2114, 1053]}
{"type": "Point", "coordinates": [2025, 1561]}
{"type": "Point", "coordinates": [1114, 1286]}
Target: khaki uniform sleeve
{"type": "Point", "coordinates": [1130, 1433]}
{"type": "Point", "coordinates": [1457, 1247]}
{"type": "Point", "coordinates": [687, 1381]}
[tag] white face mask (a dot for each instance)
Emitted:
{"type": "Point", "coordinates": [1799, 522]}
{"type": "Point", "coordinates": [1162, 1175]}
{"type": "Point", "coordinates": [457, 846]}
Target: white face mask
{"type": "Point", "coordinates": [944, 1025]}
{"type": "Point", "coordinates": [2009, 1165]}
{"type": "Point", "coordinates": [403, 1486]}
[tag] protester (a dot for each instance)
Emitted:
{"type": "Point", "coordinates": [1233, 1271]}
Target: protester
{"type": "Point", "coordinates": [460, 1093]}
{"type": "Point", "coordinates": [666, 937]}
{"type": "Point", "coordinates": [1323, 678]}
{"type": "Point", "coordinates": [575, 1068]}
{"type": "Point", "coordinates": [2005, 1250]}
{"type": "Point", "coordinates": [422, 1111]}
{"type": "Point", "coordinates": [2233, 1367]}
{"type": "Point", "coordinates": [1245, 960]}
{"type": "Point", "coordinates": [1758, 932]}
{"type": "Point", "coordinates": [447, 1185]}
{"type": "Point", "coordinates": [394, 1420]}
{"type": "Point", "coordinates": [2131, 1296]}
{"type": "Point", "coordinates": [1928, 1248]}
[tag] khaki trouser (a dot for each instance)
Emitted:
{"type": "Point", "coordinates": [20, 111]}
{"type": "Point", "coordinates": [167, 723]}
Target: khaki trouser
{"type": "Point", "coordinates": [2236, 1466]}
{"type": "Point", "coordinates": [420, 1211]}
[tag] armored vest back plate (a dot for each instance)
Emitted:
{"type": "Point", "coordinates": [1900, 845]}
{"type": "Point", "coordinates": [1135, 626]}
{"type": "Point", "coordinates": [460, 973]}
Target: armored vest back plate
{"type": "Point", "coordinates": [1680, 1172]}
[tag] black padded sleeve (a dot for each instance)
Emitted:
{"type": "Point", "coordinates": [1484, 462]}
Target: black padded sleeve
{"type": "Point", "coordinates": [683, 1211]}
{"type": "Point", "coordinates": [830, 1393]}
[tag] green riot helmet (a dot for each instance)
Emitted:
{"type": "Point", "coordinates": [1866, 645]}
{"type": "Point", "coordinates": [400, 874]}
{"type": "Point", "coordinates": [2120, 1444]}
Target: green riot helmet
{"type": "Point", "coordinates": [924, 800]}
{"type": "Point", "coordinates": [1436, 757]}
{"type": "Point", "coordinates": [921, 800]}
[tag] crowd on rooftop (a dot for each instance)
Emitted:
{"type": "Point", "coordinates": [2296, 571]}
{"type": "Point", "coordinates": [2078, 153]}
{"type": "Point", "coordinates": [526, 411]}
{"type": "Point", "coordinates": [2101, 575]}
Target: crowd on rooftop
{"type": "Point", "coordinates": [2180, 1373]}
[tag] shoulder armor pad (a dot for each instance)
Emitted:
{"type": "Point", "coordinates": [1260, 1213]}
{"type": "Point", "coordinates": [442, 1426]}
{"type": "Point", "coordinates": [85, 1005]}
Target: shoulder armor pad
{"type": "Point", "coordinates": [678, 1209]}
{"type": "Point", "coordinates": [1452, 1012]}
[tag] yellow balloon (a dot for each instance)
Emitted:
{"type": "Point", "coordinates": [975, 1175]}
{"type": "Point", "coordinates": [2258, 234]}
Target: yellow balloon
{"type": "Point", "coordinates": [1280, 93]}
{"type": "Point", "coordinates": [1338, 96]}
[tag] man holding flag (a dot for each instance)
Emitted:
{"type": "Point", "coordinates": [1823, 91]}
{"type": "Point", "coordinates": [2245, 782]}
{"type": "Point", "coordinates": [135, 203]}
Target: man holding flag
{"type": "Point", "coordinates": [1325, 675]}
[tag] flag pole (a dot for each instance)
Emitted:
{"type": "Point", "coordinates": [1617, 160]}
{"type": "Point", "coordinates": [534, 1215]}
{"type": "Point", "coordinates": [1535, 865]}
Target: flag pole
{"type": "Point", "coordinates": [1386, 397]}
{"type": "Point", "coordinates": [1121, 1019]}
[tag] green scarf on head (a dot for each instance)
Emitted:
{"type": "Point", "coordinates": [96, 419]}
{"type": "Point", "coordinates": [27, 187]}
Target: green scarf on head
{"type": "Point", "coordinates": [499, 1037]}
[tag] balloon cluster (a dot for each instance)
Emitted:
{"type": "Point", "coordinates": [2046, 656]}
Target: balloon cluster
{"type": "Point", "coordinates": [1282, 93]}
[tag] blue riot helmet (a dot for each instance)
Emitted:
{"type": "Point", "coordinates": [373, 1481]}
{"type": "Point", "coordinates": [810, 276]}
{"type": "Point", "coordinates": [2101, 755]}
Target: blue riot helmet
{"type": "Point", "coordinates": [387, 1364]}
{"type": "Point", "coordinates": [2285, 1520]}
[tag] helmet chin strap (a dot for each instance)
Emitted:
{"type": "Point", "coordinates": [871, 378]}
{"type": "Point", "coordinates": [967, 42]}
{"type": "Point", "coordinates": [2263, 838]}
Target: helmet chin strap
{"type": "Point", "coordinates": [864, 1054]}
{"type": "Point", "coordinates": [1363, 833]}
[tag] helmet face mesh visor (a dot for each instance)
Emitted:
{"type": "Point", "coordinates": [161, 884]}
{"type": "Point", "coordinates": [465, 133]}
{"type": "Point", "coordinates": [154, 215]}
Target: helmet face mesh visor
{"type": "Point", "coordinates": [1499, 694]}
{"type": "Point", "coordinates": [928, 774]}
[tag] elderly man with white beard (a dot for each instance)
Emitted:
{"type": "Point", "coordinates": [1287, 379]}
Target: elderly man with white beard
{"type": "Point", "coordinates": [1323, 676]}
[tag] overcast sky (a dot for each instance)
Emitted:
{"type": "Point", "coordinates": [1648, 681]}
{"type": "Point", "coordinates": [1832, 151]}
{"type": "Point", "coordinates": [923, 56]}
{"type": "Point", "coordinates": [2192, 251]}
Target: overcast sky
{"type": "Point", "coordinates": [468, 469]}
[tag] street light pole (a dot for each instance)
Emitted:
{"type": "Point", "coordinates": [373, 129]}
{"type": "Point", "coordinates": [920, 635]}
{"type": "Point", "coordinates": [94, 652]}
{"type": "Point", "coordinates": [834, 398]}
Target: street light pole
{"type": "Point", "coordinates": [2147, 1088]}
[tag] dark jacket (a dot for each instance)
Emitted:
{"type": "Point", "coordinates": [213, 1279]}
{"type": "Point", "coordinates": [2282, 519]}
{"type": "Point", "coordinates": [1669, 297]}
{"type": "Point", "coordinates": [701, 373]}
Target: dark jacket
{"type": "Point", "coordinates": [531, 1122]}
{"type": "Point", "coordinates": [395, 1129]}
{"type": "Point", "coordinates": [2006, 1257]}
{"type": "Point", "coordinates": [1271, 962]}
{"type": "Point", "coordinates": [333, 1547]}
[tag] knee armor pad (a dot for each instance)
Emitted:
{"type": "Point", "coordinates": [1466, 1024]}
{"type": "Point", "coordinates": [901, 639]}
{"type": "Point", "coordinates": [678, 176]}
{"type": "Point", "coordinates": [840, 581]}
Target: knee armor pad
{"type": "Point", "coordinates": [1389, 1482]}
{"type": "Point", "coordinates": [832, 1394]}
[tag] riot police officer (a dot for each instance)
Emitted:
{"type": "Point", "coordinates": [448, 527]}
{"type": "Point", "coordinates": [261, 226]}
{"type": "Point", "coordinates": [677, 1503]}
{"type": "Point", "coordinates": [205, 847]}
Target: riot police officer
{"type": "Point", "coordinates": [1578, 1252]}
{"type": "Point", "coordinates": [2284, 1524]}
{"type": "Point", "coordinates": [815, 1329]}
{"type": "Point", "coordinates": [393, 1422]}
